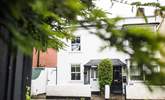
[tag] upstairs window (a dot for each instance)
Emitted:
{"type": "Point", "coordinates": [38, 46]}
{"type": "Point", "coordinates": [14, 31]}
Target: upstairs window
{"type": "Point", "coordinates": [75, 72]}
{"type": "Point", "coordinates": [76, 44]}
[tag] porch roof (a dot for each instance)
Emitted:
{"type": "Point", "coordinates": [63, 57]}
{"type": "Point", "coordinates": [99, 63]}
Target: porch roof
{"type": "Point", "coordinates": [95, 62]}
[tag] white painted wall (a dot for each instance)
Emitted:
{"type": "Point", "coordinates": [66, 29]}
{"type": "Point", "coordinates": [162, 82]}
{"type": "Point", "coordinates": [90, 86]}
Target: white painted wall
{"type": "Point", "coordinates": [138, 90]}
{"type": "Point", "coordinates": [161, 27]}
{"type": "Point", "coordinates": [90, 49]}
{"type": "Point", "coordinates": [46, 78]}
{"type": "Point", "coordinates": [51, 76]}
{"type": "Point", "coordinates": [38, 86]}
{"type": "Point", "coordinates": [70, 90]}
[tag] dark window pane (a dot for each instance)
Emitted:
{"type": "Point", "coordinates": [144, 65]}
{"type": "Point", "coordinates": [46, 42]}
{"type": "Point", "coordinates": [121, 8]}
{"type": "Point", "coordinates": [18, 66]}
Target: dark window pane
{"type": "Point", "coordinates": [73, 41]}
{"type": "Point", "coordinates": [96, 73]}
{"type": "Point", "coordinates": [78, 40]}
{"type": "Point", "coordinates": [77, 76]}
{"type": "Point", "coordinates": [72, 69]}
{"type": "Point", "coordinates": [73, 76]}
{"type": "Point", "coordinates": [92, 73]}
{"type": "Point", "coordinates": [77, 69]}
{"type": "Point", "coordinates": [79, 48]}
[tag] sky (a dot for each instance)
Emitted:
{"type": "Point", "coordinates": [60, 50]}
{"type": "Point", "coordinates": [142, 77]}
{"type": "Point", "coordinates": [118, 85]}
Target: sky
{"type": "Point", "coordinates": [124, 10]}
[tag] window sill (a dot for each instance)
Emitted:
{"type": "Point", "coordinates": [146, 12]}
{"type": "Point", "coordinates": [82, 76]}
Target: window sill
{"type": "Point", "coordinates": [75, 81]}
{"type": "Point", "coordinates": [75, 52]}
{"type": "Point", "coordinates": [136, 81]}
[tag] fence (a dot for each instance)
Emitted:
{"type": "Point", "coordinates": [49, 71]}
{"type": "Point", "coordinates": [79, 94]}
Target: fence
{"type": "Point", "coordinates": [15, 69]}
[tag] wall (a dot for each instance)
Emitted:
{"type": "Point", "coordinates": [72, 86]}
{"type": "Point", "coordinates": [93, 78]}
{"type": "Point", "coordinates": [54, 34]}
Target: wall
{"type": "Point", "coordinates": [90, 49]}
{"type": "Point", "coordinates": [71, 90]}
{"type": "Point", "coordinates": [41, 78]}
{"type": "Point", "coordinates": [38, 85]}
{"type": "Point", "coordinates": [47, 59]}
{"type": "Point", "coordinates": [138, 90]}
{"type": "Point", "coordinates": [161, 27]}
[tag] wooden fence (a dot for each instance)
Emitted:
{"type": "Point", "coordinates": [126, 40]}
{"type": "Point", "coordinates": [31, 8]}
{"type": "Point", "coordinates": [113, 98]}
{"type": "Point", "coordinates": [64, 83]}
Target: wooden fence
{"type": "Point", "coordinates": [15, 69]}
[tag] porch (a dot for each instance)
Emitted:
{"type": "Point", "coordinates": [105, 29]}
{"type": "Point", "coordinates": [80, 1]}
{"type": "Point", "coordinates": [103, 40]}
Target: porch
{"type": "Point", "coordinates": [91, 75]}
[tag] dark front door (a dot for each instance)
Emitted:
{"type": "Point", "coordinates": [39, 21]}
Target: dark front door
{"type": "Point", "coordinates": [116, 86]}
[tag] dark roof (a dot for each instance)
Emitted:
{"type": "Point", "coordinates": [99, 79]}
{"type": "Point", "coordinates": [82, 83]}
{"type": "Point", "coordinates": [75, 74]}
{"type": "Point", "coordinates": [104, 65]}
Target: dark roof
{"type": "Point", "coordinates": [95, 62]}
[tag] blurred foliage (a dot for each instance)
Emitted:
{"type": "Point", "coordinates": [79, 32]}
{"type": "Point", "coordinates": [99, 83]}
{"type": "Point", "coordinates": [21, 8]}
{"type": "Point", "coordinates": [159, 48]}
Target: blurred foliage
{"type": "Point", "coordinates": [144, 44]}
{"type": "Point", "coordinates": [28, 96]}
{"type": "Point", "coordinates": [42, 24]}
{"type": "Point", "coordinates": [105, 72]}
{"type": "Point", "coordinates": [156, 79]}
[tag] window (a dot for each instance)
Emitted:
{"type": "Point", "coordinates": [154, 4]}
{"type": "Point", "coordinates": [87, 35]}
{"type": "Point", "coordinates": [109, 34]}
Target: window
{"type": "Point", "coordinates": [94, 73]}
{"type": "Point", "coordinates": [136, 72]}
{"type": "Point", "coordinates": [75, 72]}
{"type": "Point", "coordinates": [75, 44]}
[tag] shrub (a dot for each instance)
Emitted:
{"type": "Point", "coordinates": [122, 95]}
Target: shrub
{"type": "Point", "coordinates": [105, 71]}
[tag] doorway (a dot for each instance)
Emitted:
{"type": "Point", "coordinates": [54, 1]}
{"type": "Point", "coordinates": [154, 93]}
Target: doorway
{"type": "Point", "coordinates": [94, 80]}
{"type": "Point", "coordinates": [116, 86]}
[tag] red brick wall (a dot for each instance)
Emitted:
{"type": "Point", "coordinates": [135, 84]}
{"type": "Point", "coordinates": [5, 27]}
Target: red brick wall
{"type": "Point", "coordinates": [47, 59]}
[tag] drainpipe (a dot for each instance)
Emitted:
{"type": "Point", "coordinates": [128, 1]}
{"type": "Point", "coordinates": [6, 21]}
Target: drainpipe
{"type": "Point", "coordinates": [128, 69]}
{"type": "Point", "coordinates": [56, 74]}
{"type": "Point", "coordinates": [38, 58]}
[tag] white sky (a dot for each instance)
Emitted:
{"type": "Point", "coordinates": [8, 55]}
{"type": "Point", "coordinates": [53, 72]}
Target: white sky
{"type": "Point", "coordinates": [125, 10]}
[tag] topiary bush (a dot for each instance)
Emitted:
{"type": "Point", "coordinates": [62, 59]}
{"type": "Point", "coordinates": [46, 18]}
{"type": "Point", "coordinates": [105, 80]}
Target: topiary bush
{"type": "Point", "coordinates": [105, 71]}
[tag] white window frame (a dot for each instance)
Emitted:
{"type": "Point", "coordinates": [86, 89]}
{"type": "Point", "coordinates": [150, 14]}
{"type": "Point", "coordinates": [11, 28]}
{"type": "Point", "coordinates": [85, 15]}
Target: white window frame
{"type": "Point", "coordinates": [77, 45]}
{"type": "Point", "coordinates": [75, 71]}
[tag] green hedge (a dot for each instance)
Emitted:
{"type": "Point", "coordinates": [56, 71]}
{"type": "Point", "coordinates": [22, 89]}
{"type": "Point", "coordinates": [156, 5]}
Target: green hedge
{"type": "Point", "coordinates": [105, 71]}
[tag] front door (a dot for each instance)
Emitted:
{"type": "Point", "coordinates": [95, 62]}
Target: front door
{"type": "Point", "coordinates": [116, 86]}
{"type": "Point", "coordinates": [94, 80]}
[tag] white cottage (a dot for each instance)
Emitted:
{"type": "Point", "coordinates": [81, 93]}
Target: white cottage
{"type": "Point", "coordinates": [77, 65]}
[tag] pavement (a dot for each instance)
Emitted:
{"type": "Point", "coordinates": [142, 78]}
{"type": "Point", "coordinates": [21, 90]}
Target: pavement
{"type": "Point", "coordinates": [94, 97]}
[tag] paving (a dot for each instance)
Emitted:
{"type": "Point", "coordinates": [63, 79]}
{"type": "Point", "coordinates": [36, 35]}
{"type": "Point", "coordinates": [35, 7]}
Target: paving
{"type": "Point", "coordinates": [94, 97]}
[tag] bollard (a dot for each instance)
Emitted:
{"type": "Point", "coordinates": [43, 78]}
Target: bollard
{"type": "Point", "coordinates": [107, 92]}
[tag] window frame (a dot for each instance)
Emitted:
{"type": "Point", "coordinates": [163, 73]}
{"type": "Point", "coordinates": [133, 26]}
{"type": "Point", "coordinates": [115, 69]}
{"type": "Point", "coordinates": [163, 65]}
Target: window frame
{"type": "Point", "coordinates": [75, 43]}
{"type": "Point", "coordinates": [75, 72]}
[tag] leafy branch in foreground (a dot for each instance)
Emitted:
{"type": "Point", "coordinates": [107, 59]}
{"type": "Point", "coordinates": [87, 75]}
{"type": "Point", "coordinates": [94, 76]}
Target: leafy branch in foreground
{"type": "Point", "coordinates": [40, 24]}
{"type": "Point", "coordinates": [44, 23]}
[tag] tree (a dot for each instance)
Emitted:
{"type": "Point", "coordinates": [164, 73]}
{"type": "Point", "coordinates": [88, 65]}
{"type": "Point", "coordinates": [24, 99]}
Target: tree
{"type": "Point", "coordinates": [105, 73]}
{"type": "Point", "coordinates": [28, 24]}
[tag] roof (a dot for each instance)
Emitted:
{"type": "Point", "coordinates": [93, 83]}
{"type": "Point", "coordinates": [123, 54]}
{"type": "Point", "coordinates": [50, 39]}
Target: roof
{"type": "Point", "coordinates": [132, 21]}
{"type": "Point", "coordinates": [95, 62]}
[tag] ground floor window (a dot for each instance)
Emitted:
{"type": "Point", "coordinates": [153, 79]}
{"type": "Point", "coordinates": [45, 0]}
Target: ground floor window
{"type": "Point", "coordinates": [75, 72]}
{"type": "Point", "coordinates": [136, 71]}
{"type": "Point", "coordinates": [140, 72]}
